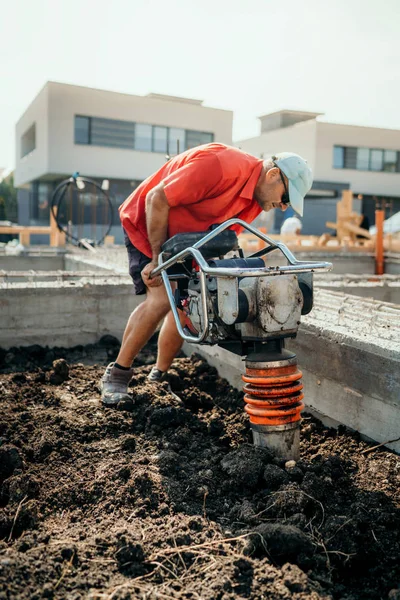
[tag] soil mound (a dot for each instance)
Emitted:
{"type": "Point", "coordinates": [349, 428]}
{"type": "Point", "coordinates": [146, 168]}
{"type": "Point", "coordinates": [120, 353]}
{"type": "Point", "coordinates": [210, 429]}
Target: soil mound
{"type": "Point", "coordinates": [170, 499]}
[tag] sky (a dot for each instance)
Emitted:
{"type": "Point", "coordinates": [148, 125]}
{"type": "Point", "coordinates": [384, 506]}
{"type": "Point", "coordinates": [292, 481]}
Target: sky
{"type": "Point", "coordinates": [340, 58]}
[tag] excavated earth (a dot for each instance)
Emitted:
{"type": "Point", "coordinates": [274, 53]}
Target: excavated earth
{"type": "Point", "coordinates": [170, 500]}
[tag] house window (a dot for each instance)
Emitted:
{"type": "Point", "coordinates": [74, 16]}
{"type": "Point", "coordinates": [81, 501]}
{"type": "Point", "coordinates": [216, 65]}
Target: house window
{"type": "Point", "coordinates": [28, 141]}
{"type": "Point", "coordinates": [366, 159]}
{"type": "Point", "coordinates": [363, 159]}
{"type": "Point", "coordinates": [350, 158]}
{"type": "Point", "coordinates": [338, 157]}
{"type": "Point", "coordinates": [112, 133]}
{"type": "Point", "coordinates": [160, 139]}
{"type": "Point", "coordinates": [197, 138]}
{"type": "Point", "coordinates": [176, 140]}
{"type": "Point", "coordinates": [389, 160]}
{"type": "Point", "coordinates": [376, 160]}
{"type": "Point", "coordinates": [82, 130]}
{"type": "Point", "coordinates": [143, 137]}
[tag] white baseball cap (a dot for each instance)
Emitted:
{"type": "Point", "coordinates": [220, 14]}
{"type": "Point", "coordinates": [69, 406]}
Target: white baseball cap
{"type": "Point", "coordinates": [299, 175]}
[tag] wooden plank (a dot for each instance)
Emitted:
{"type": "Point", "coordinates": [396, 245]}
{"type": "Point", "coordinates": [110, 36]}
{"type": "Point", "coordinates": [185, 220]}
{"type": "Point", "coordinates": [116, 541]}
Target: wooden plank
{"type": "Point", "coordinates": [53, 229]}
{"type": "Point", "coordinates": [345, 205]}
{"type": "Point", "coordinates": [57, 237]}
{"type": "Point", "coordinates": [331, 225]}
{"type": "Point", "coordinates": [30, 229]}
{"type": "Point", "coordinates": [323, 239]}
{"type": "Point", "coordinates": [357, 230]}
{"type": "Point", "coordinates": [25, 238]}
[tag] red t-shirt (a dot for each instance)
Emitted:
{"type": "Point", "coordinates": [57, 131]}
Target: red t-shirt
{"type": "Point", "coordinates": [204, 186]}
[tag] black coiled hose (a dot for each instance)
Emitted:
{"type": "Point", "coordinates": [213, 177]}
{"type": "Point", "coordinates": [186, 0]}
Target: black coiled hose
{"type": "Point", "coordinates": [58, 196]}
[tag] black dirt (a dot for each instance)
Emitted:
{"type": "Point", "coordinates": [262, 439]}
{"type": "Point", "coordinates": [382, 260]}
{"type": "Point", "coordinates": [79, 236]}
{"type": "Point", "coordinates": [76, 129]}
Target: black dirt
{"type": "Point", "coordinates": [170, 499]}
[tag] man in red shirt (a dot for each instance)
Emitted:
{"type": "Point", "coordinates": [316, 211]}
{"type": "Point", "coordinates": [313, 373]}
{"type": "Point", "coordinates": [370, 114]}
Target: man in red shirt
{"type": "Point", "coordinates": [194, 190]}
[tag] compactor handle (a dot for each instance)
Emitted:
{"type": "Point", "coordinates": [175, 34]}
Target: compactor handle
{"type": "Point", "coordinates": [294, 266]}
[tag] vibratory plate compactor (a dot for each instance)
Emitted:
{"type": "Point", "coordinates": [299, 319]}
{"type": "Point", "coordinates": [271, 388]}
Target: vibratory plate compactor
{"type": "Point", "coordinates": [249, 309]}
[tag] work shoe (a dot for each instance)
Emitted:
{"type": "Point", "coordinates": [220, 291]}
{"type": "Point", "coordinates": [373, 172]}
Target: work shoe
{"type": "Point", "coordinates": [114, 386]}
{"type": "Point", "coordinates": [157, 376]}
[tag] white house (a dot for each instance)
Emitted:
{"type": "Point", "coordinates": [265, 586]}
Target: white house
{"type": "Point", "coordinates": [363, 159]}
{"type": "Point", "coordinates": [104, 135]}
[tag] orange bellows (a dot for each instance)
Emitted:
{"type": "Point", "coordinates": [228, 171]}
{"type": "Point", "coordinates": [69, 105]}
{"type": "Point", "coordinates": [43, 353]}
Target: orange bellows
{"type": "Point", "coordinates": [273, 395]}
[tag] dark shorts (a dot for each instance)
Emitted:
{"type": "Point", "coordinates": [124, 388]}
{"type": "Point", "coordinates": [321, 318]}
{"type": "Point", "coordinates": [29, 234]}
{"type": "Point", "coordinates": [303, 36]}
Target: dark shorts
{"type": "Point", "coordinates": [137, 262]}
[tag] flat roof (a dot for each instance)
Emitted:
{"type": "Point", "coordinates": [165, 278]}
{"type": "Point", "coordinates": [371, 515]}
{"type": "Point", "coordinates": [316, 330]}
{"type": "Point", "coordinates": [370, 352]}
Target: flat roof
{"type": "Point", "coordinates": [292, 112]}
{"type": "Point", "coordinates": [151, 95]}
{"type": "Point", "coordinates": [174, 98]}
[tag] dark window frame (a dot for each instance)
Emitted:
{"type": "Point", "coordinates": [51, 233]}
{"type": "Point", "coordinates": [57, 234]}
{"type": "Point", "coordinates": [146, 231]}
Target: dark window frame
{"type": "Point", "coordinates": [369, 170]}
{"type": "Point", "coordinates": [89, 142]}
{"type": "Point", "coordinates": [135, 123]}
{"type": "Point", "coordinates": [350, 154]}
{"type": "Point", "coordinates": [189, 131]}
{"type": "Point", "coordinates": [105, 133]}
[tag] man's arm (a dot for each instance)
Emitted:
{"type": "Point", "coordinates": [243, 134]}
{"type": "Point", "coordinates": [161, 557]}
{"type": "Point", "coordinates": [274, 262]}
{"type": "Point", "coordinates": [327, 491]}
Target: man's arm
{"type": "Point", "coordinates": [157, 210]}
{"type": "Point", "coordinates": [193, 182]}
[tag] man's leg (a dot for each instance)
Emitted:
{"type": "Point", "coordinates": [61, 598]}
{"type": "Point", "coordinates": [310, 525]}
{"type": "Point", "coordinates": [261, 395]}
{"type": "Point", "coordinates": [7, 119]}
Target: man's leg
{"type": "Point", "coordinates": [169, 341]}
{"type": "Point", "coordinates": [142, 324]}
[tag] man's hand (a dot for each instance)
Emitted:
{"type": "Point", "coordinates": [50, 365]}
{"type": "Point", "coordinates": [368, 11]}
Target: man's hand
{"type": "Point", "coordinates": [154, 281]}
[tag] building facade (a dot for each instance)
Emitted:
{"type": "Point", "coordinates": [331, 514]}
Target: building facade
{"type": "Point", "coordinates": [365, 160]}
{"type": "Point", "coordinates": [103, 135]}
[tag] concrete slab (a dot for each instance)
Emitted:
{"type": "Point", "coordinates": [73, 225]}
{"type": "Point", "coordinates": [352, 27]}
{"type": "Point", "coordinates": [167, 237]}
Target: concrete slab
{"type": "Point", "coordinates": [384, 287]}
{"type": "Point", "coordinates": [344, 262]}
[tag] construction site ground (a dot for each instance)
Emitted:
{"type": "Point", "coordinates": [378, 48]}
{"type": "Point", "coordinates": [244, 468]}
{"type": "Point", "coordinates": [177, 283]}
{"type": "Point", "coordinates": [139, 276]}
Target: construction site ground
{"type": "Point", "coordinates": [170, 499]}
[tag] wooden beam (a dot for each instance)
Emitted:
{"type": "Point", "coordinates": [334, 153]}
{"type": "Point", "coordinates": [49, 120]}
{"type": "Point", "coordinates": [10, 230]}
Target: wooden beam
{"type": "Point", "coordinates": [357, 230]}
{"type": "Point", "coordinates": [19, 228]}
{"type": "Point", "coordinates": [25, 238]}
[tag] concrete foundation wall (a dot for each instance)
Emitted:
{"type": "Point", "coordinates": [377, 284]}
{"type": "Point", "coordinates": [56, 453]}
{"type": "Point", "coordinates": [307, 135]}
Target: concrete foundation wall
{"type": "Point", "coordinates": [392, 264]}
{"type": "Point", "coordinates": [74, 263]}
{"type": "Point", "coordinates": [58, 262]}
{"type": "Point", "coordinates": [358, 388]}
{"type": "Point", "coordinates": [350, 365]}
{"type": "Point", "coordinates": [63, 314]}
{"type": "Point", "coordinates": [35, 263]}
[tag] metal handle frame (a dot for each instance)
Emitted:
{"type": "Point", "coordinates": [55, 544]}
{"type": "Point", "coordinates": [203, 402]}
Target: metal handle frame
{"type": "Point", "coordinates": [295, 266]}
